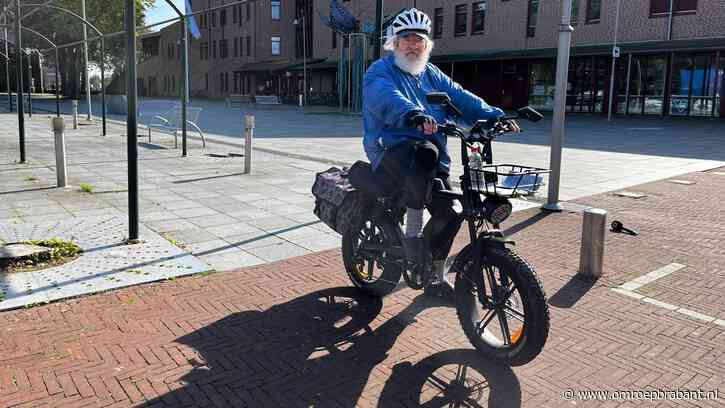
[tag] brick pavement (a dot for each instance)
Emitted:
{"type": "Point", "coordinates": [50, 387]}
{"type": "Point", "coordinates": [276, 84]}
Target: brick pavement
{"type": "Point", "coordinates": [271, 335]}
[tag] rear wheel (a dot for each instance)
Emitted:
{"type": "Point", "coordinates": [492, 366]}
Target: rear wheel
{"type": "Point", "coordinates": [512, 323]}
{"type": "Point", "coordinates": [367, 262]}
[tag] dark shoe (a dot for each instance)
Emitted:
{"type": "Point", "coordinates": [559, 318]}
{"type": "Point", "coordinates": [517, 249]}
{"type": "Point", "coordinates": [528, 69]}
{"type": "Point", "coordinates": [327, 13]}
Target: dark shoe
{"type": "Point", "coordinates": [441, 290]}
{"type": "Point", "coordinates": [415, 250]}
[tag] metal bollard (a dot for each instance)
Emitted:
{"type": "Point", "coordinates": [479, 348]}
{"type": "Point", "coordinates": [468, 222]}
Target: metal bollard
{"type": "Point", "coordinates": [75, 114]}
{"type": "Point", "coordinates": [591, 257]}
{"type": "Point", "coordinates": [60, 166]}
{"type": "Point", "coordinates": [248, 136]}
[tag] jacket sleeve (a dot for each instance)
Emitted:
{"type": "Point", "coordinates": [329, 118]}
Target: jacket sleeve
{"type": "Point", "coordinates": [383, 100]}
{"type": "Point", "coordinates": [472, 107]}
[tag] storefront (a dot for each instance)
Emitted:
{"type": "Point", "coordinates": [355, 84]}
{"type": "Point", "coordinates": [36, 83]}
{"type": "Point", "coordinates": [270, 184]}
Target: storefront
{"type": "Point", "coordinates": [649, 78]}
{"type": "Point", "coordinates": [672, 84]}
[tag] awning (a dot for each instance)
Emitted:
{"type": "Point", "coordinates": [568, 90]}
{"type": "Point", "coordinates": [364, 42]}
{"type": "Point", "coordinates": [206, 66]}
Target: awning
{"type": "Point", "coordinates": [275, 66]}
{"type": "Point", "coordinates": [601, 49]}
{"type": "Point", "coordinates": [318, 66]}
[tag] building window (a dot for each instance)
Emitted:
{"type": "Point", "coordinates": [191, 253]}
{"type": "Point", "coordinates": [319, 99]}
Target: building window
{"type": "Point", "coordinates": [223, 17]}
{"type": "Point", "coordinates": [206, 82]}
{"type": "Point", "coordinates": [661, 8]}
{"type": "Point", "coordinates": [533, 16]}
{"type": "Point", "coordinates": [438, 22]}
{"type": "Point", "coordinates": [248, 12]}
{"type": "Point", "coordinates": [478, 18]}
{"type": "Point", "coordinates": [249, 46]}
{"type": "Point", "coordinates": [223, 48]}
{"type": "Point", "coordinates": [594, 11]}
{"type": "Point", "coordinates": [461, 17]}
{"type": "Point", "coordinates": [236, 47]}
{"type": "Point", "coordinates": [334, 40]}
{"type": "Point", "coordinates": [276, 45]}
{"type": "Point", "coordinates": [213, 18]}
{"type": "Point", "coordinates": [574, 12]}
{"type": "Point", "coordinates": [213, 49]}
{"type": "Point", "coordinates": [275, 9]}
{"type": "Point", "coordinates": [173, 83]}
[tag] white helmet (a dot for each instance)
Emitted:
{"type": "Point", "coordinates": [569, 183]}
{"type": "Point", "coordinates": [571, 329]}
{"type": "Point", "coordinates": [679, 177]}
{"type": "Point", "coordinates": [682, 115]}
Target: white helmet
{"type": "Point", "coordinates": [412, 20]}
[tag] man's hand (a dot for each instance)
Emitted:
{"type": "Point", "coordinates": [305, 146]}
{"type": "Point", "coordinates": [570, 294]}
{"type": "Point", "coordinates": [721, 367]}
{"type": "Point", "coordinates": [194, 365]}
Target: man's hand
{"type": "Point", "coordinates": [425, 123]}
{"type": "Point", "coordinates": [512, 126]}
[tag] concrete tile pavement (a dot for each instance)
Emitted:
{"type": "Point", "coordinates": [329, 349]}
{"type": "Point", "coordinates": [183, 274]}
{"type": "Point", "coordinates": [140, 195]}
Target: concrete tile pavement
{"type": "Point", "coordinates": [200, 199]}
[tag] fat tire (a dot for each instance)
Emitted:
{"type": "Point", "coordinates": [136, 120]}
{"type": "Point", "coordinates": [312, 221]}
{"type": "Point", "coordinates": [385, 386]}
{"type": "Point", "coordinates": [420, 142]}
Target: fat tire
{"type": "Point", "coordinates": [391, 270]}
{"type": "Point", "coordinates": [534, 303]}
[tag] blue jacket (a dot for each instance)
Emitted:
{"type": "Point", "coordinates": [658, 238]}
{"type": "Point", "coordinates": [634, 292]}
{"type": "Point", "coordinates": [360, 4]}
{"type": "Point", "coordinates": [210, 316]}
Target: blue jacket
{"type": "Point", "coordinates": [390, 94]}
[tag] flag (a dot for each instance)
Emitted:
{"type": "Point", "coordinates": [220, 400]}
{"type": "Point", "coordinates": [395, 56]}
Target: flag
{"type": "Point", "coordinates": [191, 21]}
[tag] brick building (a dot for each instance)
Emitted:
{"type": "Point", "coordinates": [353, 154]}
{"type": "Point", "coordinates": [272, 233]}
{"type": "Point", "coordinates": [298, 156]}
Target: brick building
{"type": "Point", "coordinates": [503, 50]}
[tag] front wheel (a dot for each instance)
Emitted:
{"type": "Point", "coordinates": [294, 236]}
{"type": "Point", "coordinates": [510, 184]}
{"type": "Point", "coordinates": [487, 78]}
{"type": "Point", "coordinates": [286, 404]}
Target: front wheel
{"type": "Point", "coordinates": [512, 323]}
{"type": "Point", "coordinates": [367, 261]}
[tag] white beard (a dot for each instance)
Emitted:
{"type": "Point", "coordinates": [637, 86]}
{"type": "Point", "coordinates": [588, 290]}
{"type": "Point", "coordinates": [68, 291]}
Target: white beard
{"type": "Point", "coordinates": [414, 67]}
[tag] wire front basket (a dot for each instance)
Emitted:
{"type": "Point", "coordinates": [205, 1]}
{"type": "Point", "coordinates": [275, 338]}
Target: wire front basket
{"type": "Point", "coordinates": [507, 180]}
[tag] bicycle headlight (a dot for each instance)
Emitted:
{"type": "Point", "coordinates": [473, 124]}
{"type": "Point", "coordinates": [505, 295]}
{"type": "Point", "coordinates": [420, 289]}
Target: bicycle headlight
{"type": "Point", "coordinates": [497, 209]}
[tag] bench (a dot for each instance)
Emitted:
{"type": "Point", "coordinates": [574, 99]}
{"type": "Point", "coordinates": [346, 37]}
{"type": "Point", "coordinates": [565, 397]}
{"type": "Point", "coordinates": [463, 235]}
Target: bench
{"type": "Point", "coordinates": [170, 122]}
{"type": "Point", "coordinates": [235, 98]}
{"type": "Point", "coordinates": [267, 100]}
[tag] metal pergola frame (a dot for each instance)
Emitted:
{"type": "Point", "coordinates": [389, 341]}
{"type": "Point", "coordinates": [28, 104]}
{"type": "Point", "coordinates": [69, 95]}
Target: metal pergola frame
{"type": "Point", "coordinates": [57, 63]}
{"type": "Point", "coordinates": [131, 88]}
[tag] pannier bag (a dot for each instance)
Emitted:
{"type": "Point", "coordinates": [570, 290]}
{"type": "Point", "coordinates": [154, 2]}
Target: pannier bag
{"type": "Point", "coordinates": [337, 203]}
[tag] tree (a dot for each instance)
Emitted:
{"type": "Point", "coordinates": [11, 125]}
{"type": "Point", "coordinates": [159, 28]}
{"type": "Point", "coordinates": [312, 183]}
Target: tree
{"type": "Point", "coordinates": [64, 28]}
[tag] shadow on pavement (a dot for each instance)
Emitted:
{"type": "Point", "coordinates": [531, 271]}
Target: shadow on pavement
{"type": "Point", "coordinates": [452, 378]}
{"type": "Point", "coordinates": [526, 223]}
{"type": "Point", "coordinates": [571, 292]}
{"type": "Point", "coordinates": [28, 190]}
{"type": "Point", "coordinates": [316, 350]}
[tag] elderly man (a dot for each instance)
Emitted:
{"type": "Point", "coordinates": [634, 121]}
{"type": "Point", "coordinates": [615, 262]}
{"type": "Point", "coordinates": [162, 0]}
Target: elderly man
{"type": "Point", "coordinates": [401, 138]}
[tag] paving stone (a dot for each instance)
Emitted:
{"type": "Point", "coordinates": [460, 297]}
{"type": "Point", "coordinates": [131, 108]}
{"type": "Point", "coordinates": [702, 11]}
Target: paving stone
{"type": "Point", "coordinates": [278, 251]}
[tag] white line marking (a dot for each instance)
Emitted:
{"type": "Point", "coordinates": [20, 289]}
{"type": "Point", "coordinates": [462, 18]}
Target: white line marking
{"type": "Point", "coordinates": [695, 315]}
{"type": "Point", "coordinates": [629, 289]}
{"type": "Point", "coordinates": [637, 283]}
{"type": "Point", "coordinates": [660, 304]}
{"type": "Point", "coordinates": [629, 293]}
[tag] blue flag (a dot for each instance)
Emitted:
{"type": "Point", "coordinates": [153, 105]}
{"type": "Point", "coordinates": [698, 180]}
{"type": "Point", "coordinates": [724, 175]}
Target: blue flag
{"type": "Point", "coordinates": [191, 22]}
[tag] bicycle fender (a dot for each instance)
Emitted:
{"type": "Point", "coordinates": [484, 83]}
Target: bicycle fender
{"type": "Point", "coordinates": [490, 239]}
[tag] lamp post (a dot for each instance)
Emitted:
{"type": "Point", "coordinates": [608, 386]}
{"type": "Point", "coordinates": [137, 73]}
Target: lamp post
{"type": "Point", "coordinates": [615, 55]}
{"type": "Point", "coordinates": [304, 58]}
{"type": "Point", "coordinates": [29, 52]}
{"type": "Point", "coordinates": [85, 60]}
{"type": "Point", "coordinates": [557, 134]}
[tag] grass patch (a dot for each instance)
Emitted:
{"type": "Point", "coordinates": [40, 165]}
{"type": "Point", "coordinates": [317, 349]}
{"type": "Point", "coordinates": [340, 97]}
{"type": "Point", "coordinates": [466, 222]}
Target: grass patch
{"type": "Point", "coordinates": [86, 188]}
{"type": "Point", "coordinates": [61, 251]}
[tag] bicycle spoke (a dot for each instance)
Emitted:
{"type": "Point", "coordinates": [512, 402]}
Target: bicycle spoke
{"type": "Point", "coordinates": [480, 386]}
{"type": "Point", "coordinates": [461, 372]}
{"type": "Point", "coordinates": [504, 327]}
{"type": "Point", "coordinates": [508, 293]}
{"type": "Point", "coordinates": [481, 327]}
{"type": "Point", "coordinates": [438, 383]}
{"type": "Point", "coordinates": [470, 402]}
{"type": "Point", "coordinates": [515, 313]}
